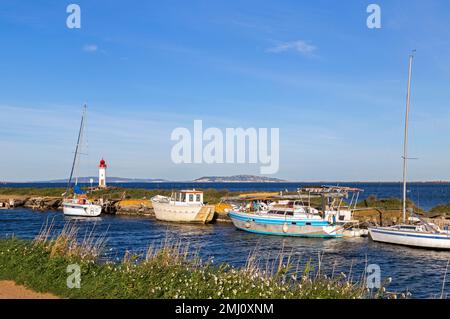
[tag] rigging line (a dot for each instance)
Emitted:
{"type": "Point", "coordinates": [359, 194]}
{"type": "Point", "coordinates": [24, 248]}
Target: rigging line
{"type": "Point", "coordinates": [76, 149]}
{"type": "Point", "coordinates": [80, 148]}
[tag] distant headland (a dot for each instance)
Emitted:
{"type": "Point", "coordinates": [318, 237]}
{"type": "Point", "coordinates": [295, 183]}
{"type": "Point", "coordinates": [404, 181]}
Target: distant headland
{"type": "Point", "coordinates": [238, 179]}
{"type": "Point", "coordinates": [204, 179]}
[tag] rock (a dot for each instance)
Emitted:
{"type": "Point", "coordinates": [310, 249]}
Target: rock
{"type": "Point", "coordinates": [43, 203]}
{"type": "Point", "coordinates": [134, 207]}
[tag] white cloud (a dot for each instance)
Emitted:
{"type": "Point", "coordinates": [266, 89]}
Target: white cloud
{"type": "Point", "coordinates": [90, 48]}
{"type": "Point", "coordinates": [299, 46]}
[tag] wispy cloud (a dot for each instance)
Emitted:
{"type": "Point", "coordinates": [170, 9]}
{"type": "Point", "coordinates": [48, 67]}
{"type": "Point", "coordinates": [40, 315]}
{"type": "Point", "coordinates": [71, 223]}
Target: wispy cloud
{"type": "Point", "coordinates": [298, 46]}
{"type": "Point", "coordinates": [90, 48]}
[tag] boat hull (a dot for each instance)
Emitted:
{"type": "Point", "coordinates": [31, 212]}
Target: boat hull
{"type": "Point", "coordinates": [284, 227]}
{"type": "Point", "coordinates": [90, 210]}
{"type": "Point", "coordinates": [409, 238]}
{"type": "Point", "coordinates": [183, 213]}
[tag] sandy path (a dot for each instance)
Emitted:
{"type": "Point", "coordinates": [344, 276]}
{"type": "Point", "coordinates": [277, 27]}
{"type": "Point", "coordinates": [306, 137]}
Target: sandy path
{"type": "Point", "coordinates": [9, 290]}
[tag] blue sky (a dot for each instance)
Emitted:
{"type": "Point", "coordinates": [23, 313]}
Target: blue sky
{"type": "Point", "coordinates": [334, 88]}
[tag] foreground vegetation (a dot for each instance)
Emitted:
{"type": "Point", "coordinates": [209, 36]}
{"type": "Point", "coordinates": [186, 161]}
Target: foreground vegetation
{"type": "Point", "coordinates": [170, 271]}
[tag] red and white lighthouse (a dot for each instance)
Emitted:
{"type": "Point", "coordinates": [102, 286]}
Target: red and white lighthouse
{"type": "Point", "coordinates": [102, 174]}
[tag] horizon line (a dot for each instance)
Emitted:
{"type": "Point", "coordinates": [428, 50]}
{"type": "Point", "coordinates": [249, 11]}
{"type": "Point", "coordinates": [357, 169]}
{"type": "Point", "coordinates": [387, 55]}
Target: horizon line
{"type": "Point", "coordinates": [162, 180]}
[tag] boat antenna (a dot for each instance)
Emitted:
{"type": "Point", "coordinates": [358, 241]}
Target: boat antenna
{"type": "Point", "coordinates": [405, 144]}
{"type": "Point", "coordinates": [76, 148]}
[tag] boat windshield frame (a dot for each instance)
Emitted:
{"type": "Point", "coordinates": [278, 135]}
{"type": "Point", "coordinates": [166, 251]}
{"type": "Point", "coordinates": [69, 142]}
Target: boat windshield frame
{"type": "Point", "coordinates": [187, 196]}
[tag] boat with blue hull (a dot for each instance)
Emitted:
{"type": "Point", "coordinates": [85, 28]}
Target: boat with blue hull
{"type": "Point", "coordinates": [294, 215]}
{"type": "Point", "coordinates": [271, 223]}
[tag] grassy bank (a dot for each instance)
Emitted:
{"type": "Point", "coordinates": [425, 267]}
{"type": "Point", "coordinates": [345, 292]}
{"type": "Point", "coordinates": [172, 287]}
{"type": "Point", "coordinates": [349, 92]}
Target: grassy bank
{"type": "Point", "coordinates": [388, 204]}
{"type": "Point", "coordinates": [168, 272]}
{"type": "Point", "coordinates": [112, 193]}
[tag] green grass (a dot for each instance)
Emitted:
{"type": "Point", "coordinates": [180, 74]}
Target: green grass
{"type": "Point", "coordinates": [168, 272]}
{"type": "Point", "coordinates": [29, 191]}
{"type": "Point", "coordinates": [387, 204]}
{"type": "Point", "coordinates": [440, 210]}
{"type": "Point", "coordinates": [211, 196]}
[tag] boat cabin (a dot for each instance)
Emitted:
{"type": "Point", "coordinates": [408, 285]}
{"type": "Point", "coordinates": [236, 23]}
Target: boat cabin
{"type": "Point", "coordinates": [188, 197]}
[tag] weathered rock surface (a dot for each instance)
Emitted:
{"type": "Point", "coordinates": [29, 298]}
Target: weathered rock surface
{"type": "Point", "coordinates": [43, 203]}
{"type": "Point", "coordinates": [134, 207]}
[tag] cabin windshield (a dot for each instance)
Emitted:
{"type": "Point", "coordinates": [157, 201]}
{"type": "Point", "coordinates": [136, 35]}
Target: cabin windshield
{"type": "Point", "coordinates": [188, 197]}
{"type": "Point", "coordinates": [407, 227]}
{"type": "Point", "coordinates": [281, 212]}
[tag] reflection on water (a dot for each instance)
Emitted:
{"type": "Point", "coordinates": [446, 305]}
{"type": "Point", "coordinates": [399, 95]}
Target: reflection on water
{"type": "Point", "coordinates": [417, 270]}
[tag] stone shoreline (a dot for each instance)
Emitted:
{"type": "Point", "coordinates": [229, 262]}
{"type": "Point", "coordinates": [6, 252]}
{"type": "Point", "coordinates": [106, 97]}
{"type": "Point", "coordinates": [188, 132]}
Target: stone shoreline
{"type": "Point", "coordinates": [143, 208]}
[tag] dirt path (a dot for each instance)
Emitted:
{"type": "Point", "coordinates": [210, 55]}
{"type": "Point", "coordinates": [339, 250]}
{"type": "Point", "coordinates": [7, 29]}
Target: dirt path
{"type": "Point", "coordinates": [9, 290]}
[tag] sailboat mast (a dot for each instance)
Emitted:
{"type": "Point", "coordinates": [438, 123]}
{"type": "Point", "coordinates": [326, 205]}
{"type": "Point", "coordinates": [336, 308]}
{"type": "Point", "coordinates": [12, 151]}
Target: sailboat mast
{"type": "Point", "coordinates": [76, 148]}
{"type": "Point", "coordinates": [405, 144]}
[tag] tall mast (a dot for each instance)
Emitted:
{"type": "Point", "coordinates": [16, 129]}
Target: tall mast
{"type": "Point", "coordinates": [405, 144]}
{"type": "Point", "coordinates": [77, 146]}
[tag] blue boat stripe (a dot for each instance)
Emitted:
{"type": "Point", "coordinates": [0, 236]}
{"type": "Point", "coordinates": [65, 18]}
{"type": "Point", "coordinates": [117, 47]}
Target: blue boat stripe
{"type": "Point", "coordinates": [410, 235]}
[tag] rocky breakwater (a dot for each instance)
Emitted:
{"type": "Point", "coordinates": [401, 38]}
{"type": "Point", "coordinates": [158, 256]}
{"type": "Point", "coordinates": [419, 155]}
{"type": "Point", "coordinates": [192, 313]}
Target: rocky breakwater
{"type": "Point", "coordinates": [375, 216]}
{"type": "Point", "coordinates": [221, 213]}
{"type": "Point", "coordinates": [33, 202]}
{"type": "Point", "coordinates": [43, 203]}
{"type": "Point", "coordinates": [135, 207]}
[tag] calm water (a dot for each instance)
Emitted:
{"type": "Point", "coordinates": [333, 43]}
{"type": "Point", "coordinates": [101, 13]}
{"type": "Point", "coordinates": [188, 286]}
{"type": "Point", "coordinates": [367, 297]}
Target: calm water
{"type": "Point", "coordinates": [416, 270]}
{"type": "Point", "coordinates": [425, 195]}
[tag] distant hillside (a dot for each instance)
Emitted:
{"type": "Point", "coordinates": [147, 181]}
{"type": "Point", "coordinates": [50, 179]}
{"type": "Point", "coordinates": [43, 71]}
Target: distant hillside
{"type": "Point", "coordinates": [238, 179]}
{"type": "Point", "coordinates": [110, 180]}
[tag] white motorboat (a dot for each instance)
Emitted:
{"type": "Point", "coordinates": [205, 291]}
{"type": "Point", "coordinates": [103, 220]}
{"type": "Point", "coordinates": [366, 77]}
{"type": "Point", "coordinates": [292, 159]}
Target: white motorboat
{"type": "Point", "coordinates": [420, 233]}
{"type": "Point", "coordinates": [79, 204]}
{"type": "Point", "coordinates": [185, 206]}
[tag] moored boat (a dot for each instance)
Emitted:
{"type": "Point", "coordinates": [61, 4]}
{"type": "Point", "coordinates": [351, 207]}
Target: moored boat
{"type": "Point", "coordinates": [294, 215]}
{"type": "Point", "coordinates": [284, 217]}
{"type": "Point", "coordinates": [296, 225]}
{"type": "Point", "coordinates": [79, 204]}
{"type": "Point", "coordinates": [419, 233]}
{"type": "Point", "coordinates": [185, 206]}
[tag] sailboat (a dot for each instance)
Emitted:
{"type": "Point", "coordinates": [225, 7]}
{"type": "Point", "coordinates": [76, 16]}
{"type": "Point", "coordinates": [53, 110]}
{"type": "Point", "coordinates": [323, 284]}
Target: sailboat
{"type": "Point", "coordinates": [417, 233]}
{"type": "Point", "coordinates": [79, 204]}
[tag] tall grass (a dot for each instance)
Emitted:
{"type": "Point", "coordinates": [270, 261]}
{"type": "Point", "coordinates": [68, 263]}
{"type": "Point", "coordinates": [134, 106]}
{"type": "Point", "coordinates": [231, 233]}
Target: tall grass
{"type": "Point", "coordinates": [66, 243]}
